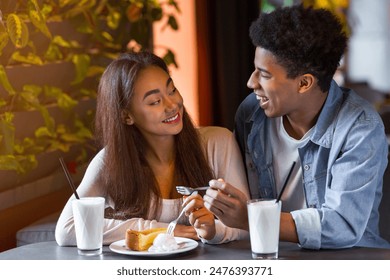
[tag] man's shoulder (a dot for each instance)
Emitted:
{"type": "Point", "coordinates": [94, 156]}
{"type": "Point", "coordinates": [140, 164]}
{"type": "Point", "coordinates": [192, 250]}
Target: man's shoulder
{"type": "Point", "coordinates": [354, 104]}
{"type": "Point", "coordinates": [248, 107]}
{"type": "Point", "coordinates": [250, 102]}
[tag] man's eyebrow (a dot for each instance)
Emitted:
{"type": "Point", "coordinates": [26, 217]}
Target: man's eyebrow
{"type": "Point", "coordinates": [263, 70]}
{"type": "Point", "coordinates": [155, 91]}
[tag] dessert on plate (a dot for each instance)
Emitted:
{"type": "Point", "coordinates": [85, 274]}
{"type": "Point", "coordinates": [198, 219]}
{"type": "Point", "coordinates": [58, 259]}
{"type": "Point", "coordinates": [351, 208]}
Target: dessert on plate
{"type": "Point", "coordinates": [142, 240]}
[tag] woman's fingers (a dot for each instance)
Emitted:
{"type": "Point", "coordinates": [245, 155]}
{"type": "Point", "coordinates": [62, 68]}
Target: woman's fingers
{"type": "Point", "coordinates": [186, 231]}
{"type": "Point", "coordinates": [199, 216]}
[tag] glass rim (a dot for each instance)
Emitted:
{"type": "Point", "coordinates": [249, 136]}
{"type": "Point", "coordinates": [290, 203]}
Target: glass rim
{"type": "Point", "coordinates": [251, 201]}
{"type": "Point", "coordinates": [90, 200]}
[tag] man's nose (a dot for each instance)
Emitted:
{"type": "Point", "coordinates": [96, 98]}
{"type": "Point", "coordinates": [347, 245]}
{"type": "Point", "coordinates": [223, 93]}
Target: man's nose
{"type": "Point", "coordinates": [252, 82]}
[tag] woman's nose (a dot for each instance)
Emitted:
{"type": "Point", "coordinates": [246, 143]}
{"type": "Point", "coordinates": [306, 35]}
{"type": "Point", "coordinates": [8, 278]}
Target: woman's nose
{"type": "Point", "coordinates": [170, 105]}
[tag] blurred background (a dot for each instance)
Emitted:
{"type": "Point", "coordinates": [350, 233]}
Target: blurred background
{"type": "Point", "coordinates": [53, 52]}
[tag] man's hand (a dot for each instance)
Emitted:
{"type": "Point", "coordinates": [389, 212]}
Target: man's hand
{"type": "Point", "coordinates": [227, 203]}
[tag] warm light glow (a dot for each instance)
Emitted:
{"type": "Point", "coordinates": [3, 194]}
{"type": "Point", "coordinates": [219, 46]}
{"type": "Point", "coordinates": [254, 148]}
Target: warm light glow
{"type": "Point", "coordinates": [183, 44]}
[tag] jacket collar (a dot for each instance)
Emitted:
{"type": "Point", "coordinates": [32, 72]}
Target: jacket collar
{"type": "Point", "coordinates": [325, 126]}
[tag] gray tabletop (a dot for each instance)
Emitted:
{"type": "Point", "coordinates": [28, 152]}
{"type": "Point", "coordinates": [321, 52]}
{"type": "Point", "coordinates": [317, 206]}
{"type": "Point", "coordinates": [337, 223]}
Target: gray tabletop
{"type": "Point", "coordinates": [236, 250]}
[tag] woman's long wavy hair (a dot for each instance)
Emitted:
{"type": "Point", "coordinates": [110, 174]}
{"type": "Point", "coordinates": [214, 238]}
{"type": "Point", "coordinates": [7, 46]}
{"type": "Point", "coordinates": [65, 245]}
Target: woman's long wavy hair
{"type": "Point", "coordinates": [126, 176]}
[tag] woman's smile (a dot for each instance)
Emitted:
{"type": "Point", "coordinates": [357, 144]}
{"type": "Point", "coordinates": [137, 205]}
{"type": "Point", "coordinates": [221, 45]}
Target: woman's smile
{"type": "Point", "coordinates": [175, 119]}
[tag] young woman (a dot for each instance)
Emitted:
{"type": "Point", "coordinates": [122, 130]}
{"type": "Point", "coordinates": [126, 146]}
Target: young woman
{"type": "Point", "coordinates": [149, 146]}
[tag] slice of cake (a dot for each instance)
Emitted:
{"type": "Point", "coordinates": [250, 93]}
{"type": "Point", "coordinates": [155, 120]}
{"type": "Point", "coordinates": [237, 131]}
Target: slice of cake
{"type": "Point", "coordinates": [142, 240]}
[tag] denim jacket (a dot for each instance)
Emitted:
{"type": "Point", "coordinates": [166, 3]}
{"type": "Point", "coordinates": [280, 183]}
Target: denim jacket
{"type": "Point", "coordinates": [342, 170]}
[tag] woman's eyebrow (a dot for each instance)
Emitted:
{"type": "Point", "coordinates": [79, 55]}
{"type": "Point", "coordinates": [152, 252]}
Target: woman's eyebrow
{"type": "Point", "coordinates": [169, 81]}
{"type": "Point", "coordinates": [150, 92]}
{"type": "Point", "coordinates": [155, 91]}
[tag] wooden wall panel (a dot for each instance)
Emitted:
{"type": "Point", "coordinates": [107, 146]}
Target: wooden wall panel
{"type": "Point", "coordinates": [15, 218]}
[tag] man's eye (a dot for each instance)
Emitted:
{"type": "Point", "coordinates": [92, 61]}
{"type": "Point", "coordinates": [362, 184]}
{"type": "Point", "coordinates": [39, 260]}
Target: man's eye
{"type": "Point", "coordinates": [173, 91]}
{"type": "Point", "coordinates": [265, 76]}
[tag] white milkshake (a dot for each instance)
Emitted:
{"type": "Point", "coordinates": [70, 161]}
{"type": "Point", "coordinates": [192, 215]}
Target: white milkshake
{"type": "Point", "coordinates": [264, 222]}
{"type": "Point", "coordinates": [88, 214]}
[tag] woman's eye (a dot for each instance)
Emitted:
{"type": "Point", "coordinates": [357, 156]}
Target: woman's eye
{"type": "Point", "coordinates": [155, 102]}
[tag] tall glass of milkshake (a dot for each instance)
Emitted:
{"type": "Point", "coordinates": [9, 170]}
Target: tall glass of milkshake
{"type": "Point", "coordinates": [88, 214]}
{"type": "Point", "coordinates": [264, 223]}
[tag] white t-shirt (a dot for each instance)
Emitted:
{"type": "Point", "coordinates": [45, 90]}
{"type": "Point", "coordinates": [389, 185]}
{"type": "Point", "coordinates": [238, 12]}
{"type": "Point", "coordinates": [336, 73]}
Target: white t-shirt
{"type": "Point", "coordinates": [285, 152]}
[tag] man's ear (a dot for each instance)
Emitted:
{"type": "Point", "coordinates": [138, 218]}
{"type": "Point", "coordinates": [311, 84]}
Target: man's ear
{"type": "Point", "coordinates": [126, 117]}
{"type": "Point", "coordinates": [306, 82]}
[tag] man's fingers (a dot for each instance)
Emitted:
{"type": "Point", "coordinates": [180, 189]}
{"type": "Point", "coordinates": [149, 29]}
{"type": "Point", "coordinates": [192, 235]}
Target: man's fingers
{"type": "Point", "coordinates": [221, 200]}
{"type": "Point", "coordinates": [215, 210]}
{"type": "Point", "coordinates": [226, 188]}
{"type": "Point", "coordinates": [216, 206]}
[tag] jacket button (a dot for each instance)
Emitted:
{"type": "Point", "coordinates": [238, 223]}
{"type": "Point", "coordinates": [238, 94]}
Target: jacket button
{"type": "Point", "coordinates": [306, 167]}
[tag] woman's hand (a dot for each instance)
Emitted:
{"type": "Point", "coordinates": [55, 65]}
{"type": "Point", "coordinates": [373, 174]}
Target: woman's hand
{"type": "Point", "coordinates": [227, 203]}
{"type": "Point", "coordinates": [186, 231]}
{"type": "Point", "coordinates": [199, 216]}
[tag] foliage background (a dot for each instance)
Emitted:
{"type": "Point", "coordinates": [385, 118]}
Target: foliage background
{"type": "Point", "coordinates": [31, 35]}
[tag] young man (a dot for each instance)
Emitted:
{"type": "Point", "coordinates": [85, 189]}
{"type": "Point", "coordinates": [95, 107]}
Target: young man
{"type": "Point", "coordinates": [298, 113]}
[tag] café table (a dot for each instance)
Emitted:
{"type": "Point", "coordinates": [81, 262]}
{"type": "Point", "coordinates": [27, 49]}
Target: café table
{"type": "Point", "coordinates": [236, 250]}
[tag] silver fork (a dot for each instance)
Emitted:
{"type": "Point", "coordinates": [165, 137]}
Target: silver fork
{"type": "Point", "coordinates": [172, 225]}
{"type": "Point", "coordinates": [188, 190]}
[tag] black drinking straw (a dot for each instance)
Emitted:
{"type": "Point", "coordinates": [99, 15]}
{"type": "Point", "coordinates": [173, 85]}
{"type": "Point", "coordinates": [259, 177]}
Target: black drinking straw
{"type": "Point", "coordinates": [285, 183]}
{"type": "Point", "coordinates": [70, 181]}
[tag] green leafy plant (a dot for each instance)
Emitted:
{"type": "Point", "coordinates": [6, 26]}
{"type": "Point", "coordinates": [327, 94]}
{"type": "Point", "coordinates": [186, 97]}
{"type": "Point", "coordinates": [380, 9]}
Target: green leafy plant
{"type": "Point", "coordinates": [338, 7]}
{"type": "Point", "coordinates": [99, 31]}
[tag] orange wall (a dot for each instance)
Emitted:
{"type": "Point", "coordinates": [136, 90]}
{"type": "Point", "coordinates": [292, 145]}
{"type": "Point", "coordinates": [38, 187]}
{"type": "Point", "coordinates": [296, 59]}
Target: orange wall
{"type": "Point", "coordinates": [183, 44]}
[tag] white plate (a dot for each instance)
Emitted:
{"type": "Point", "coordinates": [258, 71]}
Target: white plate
{"type": "Point", "coordinates": [120, 248]}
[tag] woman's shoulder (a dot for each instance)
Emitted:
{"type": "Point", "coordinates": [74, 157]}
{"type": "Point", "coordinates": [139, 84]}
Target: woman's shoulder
{"type": "Point", "coordinates": [99, 156]}
{"type": "Point", "coordinates": [97, 161]}
{"type": "Point", "coordinates": [214, 132]}
{"type": "Point", "coordinates": [216, 137]}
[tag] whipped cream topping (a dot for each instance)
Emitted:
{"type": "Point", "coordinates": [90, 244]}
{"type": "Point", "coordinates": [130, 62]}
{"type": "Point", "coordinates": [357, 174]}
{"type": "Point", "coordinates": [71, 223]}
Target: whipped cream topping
{"type": "Point", "coordinates": [164, 243]}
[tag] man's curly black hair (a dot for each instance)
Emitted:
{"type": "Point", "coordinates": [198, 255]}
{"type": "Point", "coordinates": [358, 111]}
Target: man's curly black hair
{"type": "Point", "coordinates": [303, 40]}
